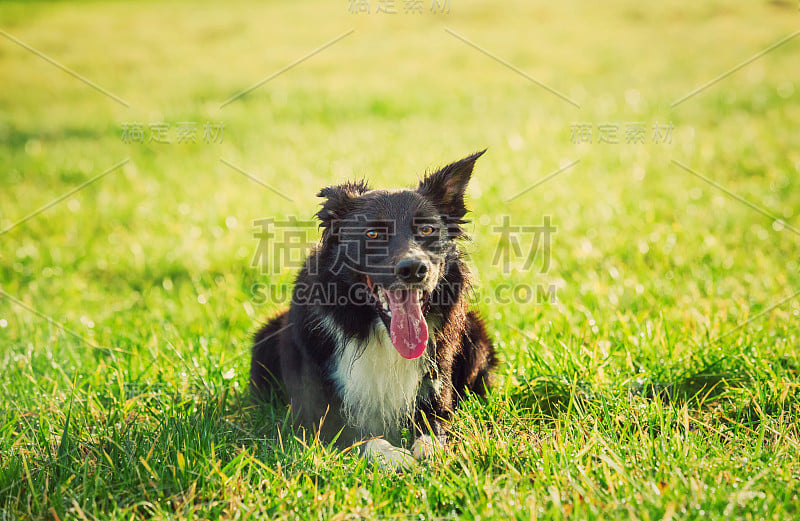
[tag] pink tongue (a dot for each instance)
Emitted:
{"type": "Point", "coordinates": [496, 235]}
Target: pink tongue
{"type": "Point", "coordinates": [409, 331]}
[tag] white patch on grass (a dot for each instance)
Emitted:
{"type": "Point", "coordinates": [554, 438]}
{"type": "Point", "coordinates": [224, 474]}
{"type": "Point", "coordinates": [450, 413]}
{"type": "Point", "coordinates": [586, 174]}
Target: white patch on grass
{"type": "Point", "coordinates": [386, 455]}
{"type": "Point", "coordinates": [422, 447]}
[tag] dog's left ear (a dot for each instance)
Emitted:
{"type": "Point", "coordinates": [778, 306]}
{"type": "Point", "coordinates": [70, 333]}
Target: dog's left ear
{"type": "Point", "coordinates": [446, 187]}
{"type": "Point", "coordinates": [338, 201]}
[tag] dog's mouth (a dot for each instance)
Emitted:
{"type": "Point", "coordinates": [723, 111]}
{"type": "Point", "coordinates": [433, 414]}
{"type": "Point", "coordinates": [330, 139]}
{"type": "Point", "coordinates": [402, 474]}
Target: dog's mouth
{"type": "Point", "coordinates": [403, 313]}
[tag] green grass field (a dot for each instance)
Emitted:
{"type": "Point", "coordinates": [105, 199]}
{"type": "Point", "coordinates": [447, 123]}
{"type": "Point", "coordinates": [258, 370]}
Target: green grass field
{"type": "Point", "coordinates": [662, 383]}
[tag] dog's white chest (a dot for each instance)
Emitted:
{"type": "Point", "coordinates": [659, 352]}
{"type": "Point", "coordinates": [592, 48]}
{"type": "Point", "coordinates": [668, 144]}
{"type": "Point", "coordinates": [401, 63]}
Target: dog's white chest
{"type": "Point", "coordinates": [378, 386]}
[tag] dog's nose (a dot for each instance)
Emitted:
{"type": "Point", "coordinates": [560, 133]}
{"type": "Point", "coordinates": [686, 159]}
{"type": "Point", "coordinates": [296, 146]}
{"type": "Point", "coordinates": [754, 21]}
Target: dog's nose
{"type": "Point", "coordinates": [411, 270]}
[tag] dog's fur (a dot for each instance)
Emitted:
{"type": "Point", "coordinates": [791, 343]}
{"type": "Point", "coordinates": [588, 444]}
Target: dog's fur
{"type": "Point", "coordinates": [334, 357]}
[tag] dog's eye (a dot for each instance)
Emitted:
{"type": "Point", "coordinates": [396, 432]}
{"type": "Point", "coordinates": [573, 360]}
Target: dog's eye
{"type": "Point", "coordinates": [371, 234]}
{"type": "Point", "coordinates": [426, 229]}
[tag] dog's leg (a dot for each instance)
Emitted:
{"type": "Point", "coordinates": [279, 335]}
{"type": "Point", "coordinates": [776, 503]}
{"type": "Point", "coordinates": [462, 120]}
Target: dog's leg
{"type": "Point", "coordinates": [265, 366]}
{"type": "Point", "coordinates": [386, 455]}
{"type": "Point", "coordinates": [473, 367]}
{"type": "Point", "coordinates": [430, 430]}
{"type": "Point", "coordinates": [422, 447]}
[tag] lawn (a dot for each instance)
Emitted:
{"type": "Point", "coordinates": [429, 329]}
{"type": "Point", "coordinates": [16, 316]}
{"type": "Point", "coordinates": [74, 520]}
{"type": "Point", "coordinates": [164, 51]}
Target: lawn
{"type": "Point", "coordinates": [634, 244]}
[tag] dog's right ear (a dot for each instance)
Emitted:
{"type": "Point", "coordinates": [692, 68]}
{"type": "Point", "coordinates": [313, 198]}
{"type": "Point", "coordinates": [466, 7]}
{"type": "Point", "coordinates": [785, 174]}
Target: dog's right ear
{"type": "Point", "coordinates": [446, 187]}
{"type": "Point", "coordinates": [339, 200]}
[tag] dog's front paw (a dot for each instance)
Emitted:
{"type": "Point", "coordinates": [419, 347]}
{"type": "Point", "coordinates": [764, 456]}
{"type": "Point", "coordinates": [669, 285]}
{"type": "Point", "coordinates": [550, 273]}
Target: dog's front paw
{"type": "Point", "coordinates": [422, 447]}
{"type": "Point", "coordinates": [383, 453]}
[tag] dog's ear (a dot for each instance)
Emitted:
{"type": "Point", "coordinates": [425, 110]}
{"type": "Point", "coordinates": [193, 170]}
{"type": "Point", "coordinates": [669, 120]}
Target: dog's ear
{"type": "Point", "coordinates": [446, 187]}
{"type": "Point", "coordinates": [338, 200]}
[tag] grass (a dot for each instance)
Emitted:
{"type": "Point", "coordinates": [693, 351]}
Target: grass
{"type": "Point", "coordinates": [663, 383]}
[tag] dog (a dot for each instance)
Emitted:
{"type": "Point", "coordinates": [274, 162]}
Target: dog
{"type": "Point", "coordinates": [379, 337]}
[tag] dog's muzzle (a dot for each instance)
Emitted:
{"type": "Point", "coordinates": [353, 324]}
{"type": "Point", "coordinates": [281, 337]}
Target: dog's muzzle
{"type": "Point", "coordinates": [411, 271]}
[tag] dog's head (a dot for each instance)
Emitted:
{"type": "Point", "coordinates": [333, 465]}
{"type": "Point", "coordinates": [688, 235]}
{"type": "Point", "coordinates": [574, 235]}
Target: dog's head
{"type": "Point", "coordinates": [397, 242]}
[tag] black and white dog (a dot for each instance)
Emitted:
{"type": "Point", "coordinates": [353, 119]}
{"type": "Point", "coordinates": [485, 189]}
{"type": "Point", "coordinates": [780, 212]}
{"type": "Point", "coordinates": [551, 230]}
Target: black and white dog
{"type": "Point", "coordinates": [379, 337]}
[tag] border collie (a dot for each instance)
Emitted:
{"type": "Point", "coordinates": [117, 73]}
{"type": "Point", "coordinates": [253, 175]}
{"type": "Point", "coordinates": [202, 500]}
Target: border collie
{"type": "Point", "coordinates": [379, 337]}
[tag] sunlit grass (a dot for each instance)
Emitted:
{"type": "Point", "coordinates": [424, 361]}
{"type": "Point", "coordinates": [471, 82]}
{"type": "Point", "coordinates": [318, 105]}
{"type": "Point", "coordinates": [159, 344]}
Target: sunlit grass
{"type": "Point", "coordinates": [662, 384]}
